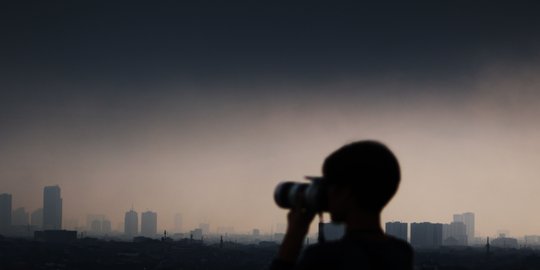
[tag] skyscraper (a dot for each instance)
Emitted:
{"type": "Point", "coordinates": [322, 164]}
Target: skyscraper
{"type": "Point", "coordinates": [96, 223]}
{"type": "Point", "coordinates": [95, 226]}
{"type": "Point", "coordinates": [52, 208]}
{"type": "Point", "coordinates": [5, 212]}
{"type": "Point", "coordinates": [468, 220]}
{"type": "Point", "coordinates": [426, 235]}
{"type": "Point", "coordinates": [149, 224]}
{"type": "Point", "coordinates": [397, 229]}
{"type": "Point", "coordinates": [205, 228]}
{"type": "Point", "coordinates": [455, 234]}
{"type": "Point", "coordinates": [333, 231]}
{"type": "Point", "coordinates": [90, 218]}
{"type": "Point", "coordinates": [131, 223]}
{"type": "Point", "coordinates": [106, 226]}
{"type": "Point", "coordinates": [20, 217]}
{"type": "Point", "coordinates": [36, 218]}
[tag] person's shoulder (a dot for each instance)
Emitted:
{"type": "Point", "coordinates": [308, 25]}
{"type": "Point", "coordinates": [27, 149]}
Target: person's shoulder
{"type": "Point", "coordinates": [399, 251]}
{"type": "Point", "coordinates": [386, 242]}
{"type": "Point", "coordinates": [322, 256]}
{"type": "Point", "coordinates": [324, 248]}
{"type": "Point", "coordinates": [359, 252]}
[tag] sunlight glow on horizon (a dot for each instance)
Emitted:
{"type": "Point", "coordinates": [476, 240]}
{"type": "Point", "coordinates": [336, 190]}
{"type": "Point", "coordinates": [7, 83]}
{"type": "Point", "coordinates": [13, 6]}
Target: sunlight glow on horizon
{"type": "Point", "coordinates": [217, 158]}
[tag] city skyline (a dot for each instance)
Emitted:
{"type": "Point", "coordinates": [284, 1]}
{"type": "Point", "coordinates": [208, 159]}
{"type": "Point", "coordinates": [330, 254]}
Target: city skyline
{"type": "Point", "coordinates": [133, 226]}
{"type": "Point", "coordinates": [422, 235]}
{"type": "Point", "coordinates": [202, 109]}
{"type": "Point", "coordinates": [104, 179]}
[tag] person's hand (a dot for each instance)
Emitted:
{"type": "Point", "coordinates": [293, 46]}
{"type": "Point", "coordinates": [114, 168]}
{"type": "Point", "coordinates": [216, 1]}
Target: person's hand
{"type": "Point", "coordinates": [298, 221]}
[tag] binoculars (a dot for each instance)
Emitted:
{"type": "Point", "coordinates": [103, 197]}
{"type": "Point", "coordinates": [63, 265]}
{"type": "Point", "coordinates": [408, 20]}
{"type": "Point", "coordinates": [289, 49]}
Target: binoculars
{"type": "Point", "coordinates": [310, 196]}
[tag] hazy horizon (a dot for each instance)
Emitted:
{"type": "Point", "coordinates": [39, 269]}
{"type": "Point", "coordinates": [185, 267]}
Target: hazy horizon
{"type": "Point", "coordinates": [206, 120]}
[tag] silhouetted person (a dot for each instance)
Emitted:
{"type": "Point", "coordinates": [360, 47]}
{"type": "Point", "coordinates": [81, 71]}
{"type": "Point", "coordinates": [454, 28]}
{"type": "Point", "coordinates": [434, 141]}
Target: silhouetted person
{"type": "Point", "coordinates": [361, 178]}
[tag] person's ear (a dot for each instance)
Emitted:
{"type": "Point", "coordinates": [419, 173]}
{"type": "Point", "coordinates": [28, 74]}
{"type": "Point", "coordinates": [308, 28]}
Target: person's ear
{"type": "Point", "coordinates": [343, 195]}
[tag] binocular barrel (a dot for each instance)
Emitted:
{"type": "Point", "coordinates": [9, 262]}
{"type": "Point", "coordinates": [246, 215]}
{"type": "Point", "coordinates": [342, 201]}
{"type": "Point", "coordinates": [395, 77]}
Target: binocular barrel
{"type": "Point", "coordinates": [310, 196]}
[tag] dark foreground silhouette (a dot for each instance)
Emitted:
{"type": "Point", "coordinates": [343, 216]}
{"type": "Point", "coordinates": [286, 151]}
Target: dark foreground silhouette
{"type": "Point", "coordinates": [193, 255]}
{"type": "Point", "coordinates": [359, 179]}
{"type": "Point", "coordinates": [92, 253]}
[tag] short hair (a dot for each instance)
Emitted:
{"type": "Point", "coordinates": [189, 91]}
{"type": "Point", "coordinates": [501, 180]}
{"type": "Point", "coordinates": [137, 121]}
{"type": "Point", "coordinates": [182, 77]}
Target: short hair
{"type": "Point", "coordinates": [369, 168]}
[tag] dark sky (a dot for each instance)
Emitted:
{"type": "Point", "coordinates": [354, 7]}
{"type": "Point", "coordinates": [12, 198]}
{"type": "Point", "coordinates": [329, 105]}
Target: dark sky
{"type": "Point", "coordinates": [59, 52]}
{"type": "Point", "coordinates": [112, 93]}
{"type": "Point", "coordinates": [140, 41]}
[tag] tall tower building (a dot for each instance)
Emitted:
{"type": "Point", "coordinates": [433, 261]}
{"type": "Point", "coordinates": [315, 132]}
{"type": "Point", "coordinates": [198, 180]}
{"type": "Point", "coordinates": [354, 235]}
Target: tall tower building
{"type": "Point", "coordinates": [131, 223]}
{"type": "Point", "coordinates": [98, 224]}
{"type": "Point", "coordinates": [149, 224]}
{"type": "Point", "coordinates": [20, 217]}
{"type": "Point", "coordinates": [36, 218]}
{"type": "Point", "coordinates": [205, 228]}
{"type": "Point", "coordinates": [52, 208]}
{"type": "Point", "coordinates": [333, 231]}
{"type": "Point", "coordinates": [468, 220]}
{"type": "Point", "coordinates": [426, 235]}
{"type": "Point", "coordinates": [397, 229]}
{"type": "Point", "coordinates": [455, 234]}
{"type": "Point", "coordinates": [5, 212]}
{"type": "Point", "coordinates": [95, 226]}
{"type": "Point", "coordinates": [106, 226]}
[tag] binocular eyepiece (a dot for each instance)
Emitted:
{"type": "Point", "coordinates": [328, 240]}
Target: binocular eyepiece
{"type": "Point", "coordinates": [311, 196]}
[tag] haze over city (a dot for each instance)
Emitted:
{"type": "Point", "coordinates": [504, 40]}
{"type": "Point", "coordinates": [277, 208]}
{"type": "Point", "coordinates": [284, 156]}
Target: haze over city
{"type": "Point", "coordinates": [206, 122]}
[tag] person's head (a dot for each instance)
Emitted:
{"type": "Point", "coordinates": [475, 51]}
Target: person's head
{"type": "Point", "coordinates": [361, 176]}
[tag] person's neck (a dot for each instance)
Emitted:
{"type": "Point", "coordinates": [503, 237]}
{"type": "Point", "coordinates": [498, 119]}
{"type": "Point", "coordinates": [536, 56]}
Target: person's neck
{"type": "Point", "coordinates": [363, 221]}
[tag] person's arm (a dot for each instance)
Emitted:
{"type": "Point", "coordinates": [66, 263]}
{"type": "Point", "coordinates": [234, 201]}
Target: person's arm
{"type": "Point", "coordinates": [298, 221]}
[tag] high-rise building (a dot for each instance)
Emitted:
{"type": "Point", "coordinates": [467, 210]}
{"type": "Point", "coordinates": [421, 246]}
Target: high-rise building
{"type": "Point", "coordinates": [205, 228]}
{"type": "Point", "coordinates": [426, 235]}
{"type": "Point", "coordinates": [397, 229]}
{"type": "Point", "coordinates": [106, 226]}
{"type": "Point", "coordinates": [91, 218]}
{"type": "Point", "coordinates": [5, 212]}
{"type": "Point", "coordinates": [196, 234]}
{"type": "Point", "coordinates": [468, 220]}
{"type": "Point", "coordinates": [532, 240]}
{"type": "Point", "coordinates": [149, 224]}
{"type": "Point", "coordinates": [332, 231]}
{"type": "Point", "coordinates": [455, 234]}
{"type": "Point", "coordinates": [52, 208]}
{"type": "Point", "coordinates": [95, 226]}
{"type": "Point", "coordinates": [20, 217]}
{"type": "Point", "coordinates": [98, 224]}
{"type": "Point", "coordinates": [505, 242]}
{"type": "Point", "coordinates": [131, 223]}
{"type": "Point", "coordinates": [36, 218]}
